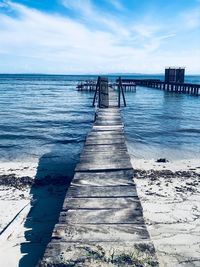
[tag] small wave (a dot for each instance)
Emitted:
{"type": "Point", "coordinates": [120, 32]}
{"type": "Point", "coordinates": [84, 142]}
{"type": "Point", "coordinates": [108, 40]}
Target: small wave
{"type": "Point", "coordinates": [9, 146]}
{"type": "Point", "coordinates": [50, 157]}
{"type": "Point", "coordinates": [189, 130]}
{"type": "Point", "coordinates": [21, 136]}
{"type": "Point", "coordinates": [72, 141]}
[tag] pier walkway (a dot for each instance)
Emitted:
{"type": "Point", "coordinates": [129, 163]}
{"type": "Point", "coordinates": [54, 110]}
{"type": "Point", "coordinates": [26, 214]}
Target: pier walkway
{"type": "Point", "coordinates": [101, 209]}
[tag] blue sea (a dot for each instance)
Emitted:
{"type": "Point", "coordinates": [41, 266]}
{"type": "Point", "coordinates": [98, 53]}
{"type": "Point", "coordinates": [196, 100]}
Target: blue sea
{"type": "Point", "coordinates": [44, 118]}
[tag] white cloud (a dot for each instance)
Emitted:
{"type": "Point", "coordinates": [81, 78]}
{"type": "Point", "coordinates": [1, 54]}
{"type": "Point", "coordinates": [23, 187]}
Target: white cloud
{"type": "Point", "coordinates": [3, 4]}
{"type": "Point", "coordinates": [83, 6]}
{"type": "Point", "coordinates": [59, 40]}
{"type": "Point", "coordinates": [117, 4]}
{"type": "Point", "coordinates": [35, 41]}
{"type": "Point", "coordinates": [146, 30]}
{"type": "Point", "coordinates": [89, 13]}
{"type": "Point", "coordinates": [191, 18]}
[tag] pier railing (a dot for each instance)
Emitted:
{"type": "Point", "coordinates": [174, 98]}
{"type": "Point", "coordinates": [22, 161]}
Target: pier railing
{"type": "Point", "coordinates": [120, 92]}
{"type": "Point", "coordinates": [101, 93]}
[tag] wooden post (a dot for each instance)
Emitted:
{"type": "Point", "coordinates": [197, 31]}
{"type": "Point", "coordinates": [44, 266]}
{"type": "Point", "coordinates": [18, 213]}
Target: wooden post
{"type": "Point", "coordinates": [99, 98]}
{"type": "Point", "coordinates": [121, 90]}
{"type": "Point", "coordinates": [123, 95]}
{"type": "Point", "coordinates": [103, 89]}
{"type": "Point", "coordinates": [119, 93]}
{"type": "Point", "coordinates": [96, 91]}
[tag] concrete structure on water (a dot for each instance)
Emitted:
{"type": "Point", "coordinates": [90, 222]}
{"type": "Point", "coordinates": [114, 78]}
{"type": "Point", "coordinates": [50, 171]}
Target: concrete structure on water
{"type": "Point", "coordinates": [174, 75]}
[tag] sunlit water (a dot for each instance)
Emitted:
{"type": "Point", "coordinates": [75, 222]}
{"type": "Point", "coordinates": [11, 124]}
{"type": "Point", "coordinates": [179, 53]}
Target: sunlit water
{"type": "Point", "coordinates": [161, 124]}
{"type": "Point", "coordinates": [43, 117]}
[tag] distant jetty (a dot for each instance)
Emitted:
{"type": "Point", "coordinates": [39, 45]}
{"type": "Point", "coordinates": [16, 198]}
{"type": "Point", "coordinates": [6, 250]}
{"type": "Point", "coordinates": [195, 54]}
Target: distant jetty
{"type": "Point", "coordinates": [173, 82]}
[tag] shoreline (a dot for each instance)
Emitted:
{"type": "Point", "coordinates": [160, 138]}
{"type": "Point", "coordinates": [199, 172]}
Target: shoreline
{"type": "Point", "coordinates": [174, 165]}
{"type": "Point", "coordinates": [169, 196]}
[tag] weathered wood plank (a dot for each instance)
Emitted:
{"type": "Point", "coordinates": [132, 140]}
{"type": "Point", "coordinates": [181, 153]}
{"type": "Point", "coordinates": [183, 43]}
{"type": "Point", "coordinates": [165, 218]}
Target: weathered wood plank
{"type": "Point", "coordinates": [115, 175]}
{"type": "Point", "coordinates": [107, 128]}
{"type": "Point", "coordinates": [93, 141]}
{"type": "Point", "coordinates": [106, 147]}
{"type": "Point", "coordinates": [107, 123]}
{"type": "Point", "coordinates": [100, 233]}
{"type": "Point", "coordinates": [101, 203]}
{"type": "Point", "coordinates": [73, 249]}
{"type": "Point", "coordinates": [106, 134]}
{"type": "Point", "coordinates": [107, 166]}
{"type": "Point", "coordinates": [88, 157]}
{"type": "Point", "coordinates": [104, 216]}
{"type": "Point", "coordinates": [102, 191]}
{"type": "Point", "coordinates": [103, 153]}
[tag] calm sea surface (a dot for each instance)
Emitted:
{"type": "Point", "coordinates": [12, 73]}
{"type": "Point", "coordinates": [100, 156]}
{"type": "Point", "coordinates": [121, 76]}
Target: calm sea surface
{"type": "Point", "coordinates": [44, 118]}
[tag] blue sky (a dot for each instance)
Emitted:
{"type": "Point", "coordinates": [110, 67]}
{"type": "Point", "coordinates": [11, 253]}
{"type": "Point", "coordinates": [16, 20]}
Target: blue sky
{"type": "Point", "coordinates": [99, 36]}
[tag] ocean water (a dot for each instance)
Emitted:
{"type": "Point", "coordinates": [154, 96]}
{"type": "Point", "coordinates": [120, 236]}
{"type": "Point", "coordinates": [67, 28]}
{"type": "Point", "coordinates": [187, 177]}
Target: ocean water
{"type": "Point", "coordinates": [161, 124]}
{"type": "Point", "coordinates": [44, 118]}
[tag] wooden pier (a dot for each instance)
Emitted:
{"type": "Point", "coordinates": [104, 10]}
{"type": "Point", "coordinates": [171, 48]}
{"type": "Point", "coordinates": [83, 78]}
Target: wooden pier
{"type": "Point", "coordinates": [90, 85]}
{"type": "Point", "coordinates": [101, 211]}
{"type": "Point", "coordinates": [184, 88]}
{"type": "Point", "coordinates": [131, 84]}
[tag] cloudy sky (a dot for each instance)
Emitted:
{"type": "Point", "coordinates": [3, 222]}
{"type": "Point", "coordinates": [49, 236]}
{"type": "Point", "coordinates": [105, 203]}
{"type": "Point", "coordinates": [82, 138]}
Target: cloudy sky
{"type": "Point", "coordinates": [99, 36]}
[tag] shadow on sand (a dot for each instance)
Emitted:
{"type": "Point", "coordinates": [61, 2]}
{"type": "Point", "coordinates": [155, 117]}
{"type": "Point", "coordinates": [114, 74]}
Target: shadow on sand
{"type": "Point", "coordinates": [48, 195]}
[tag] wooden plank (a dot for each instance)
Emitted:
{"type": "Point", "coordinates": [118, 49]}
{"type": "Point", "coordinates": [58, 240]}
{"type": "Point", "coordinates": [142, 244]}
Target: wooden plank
{"type": "Point", "coordinates": [73, 250]}
{"type": "Point", "coordinates": [113, 178]}
{"type": "Point", "coordinates": [105, 147]}
{"type": "Point", "coordinates": [105, 137]}
{"type": "Point", "coordinates": [107, 134]}
{"type": "Point", "coordinates": [116, 175]}
{"type": "Point", "coordinates": [107, 128]}
{"type": "Point", "coordinates": [101, 203]}
{"type": "Point", "coordinates": [95, 181]}
{"type": "Point", "coordinates": [100, 233]}
{"type": "Point", "coordinates": [107, 166]}
{"type": "Point", "coordinates": [106, 119]}
{"type": "Point", "coordinates": [104, 216]}
{"type": "Point", "coordinates": [103, 157]}
{"type": "Point", "coordinates": [94, 141]}
{"type": "Point", "coordinates": [102, 191]}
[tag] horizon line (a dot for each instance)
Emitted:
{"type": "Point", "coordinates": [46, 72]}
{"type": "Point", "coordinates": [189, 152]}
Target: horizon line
{"type": "Point", "coordinates": [89, 74]}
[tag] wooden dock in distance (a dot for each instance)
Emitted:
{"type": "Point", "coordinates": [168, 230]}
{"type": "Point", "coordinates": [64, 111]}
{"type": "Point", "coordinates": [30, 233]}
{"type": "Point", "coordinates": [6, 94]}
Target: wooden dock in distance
{"type": "Point", "coordinates": [90, 86]}
{"type": "Point", "coordinates": [181, 88]}
{"type": "Point", "coordinates": [101, 208]}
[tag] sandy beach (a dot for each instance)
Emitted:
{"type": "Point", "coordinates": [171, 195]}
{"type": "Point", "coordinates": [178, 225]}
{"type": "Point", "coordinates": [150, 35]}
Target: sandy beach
{"type": "Point", "coordinates": [28, 214]}
{"type": "Point", "coordinates": [169, 193]}
{"type": "Point", "coordinates": [106, 92]}
{"type": "Point", "coordinates": [170, 196]}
